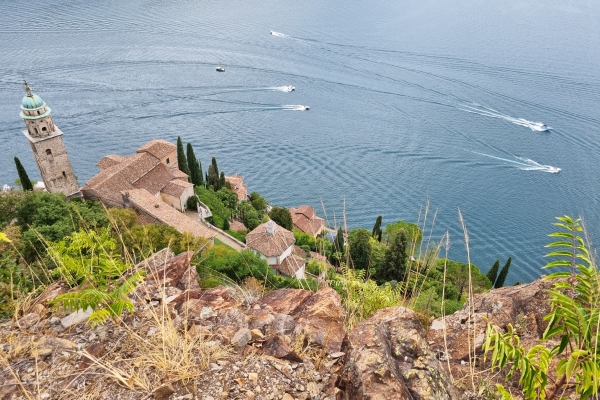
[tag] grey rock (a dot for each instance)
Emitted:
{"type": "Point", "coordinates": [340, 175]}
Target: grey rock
{"type": "Point", "coordinates": [76, 317]}
{"type": "Point", "coordinates": [241, 338]}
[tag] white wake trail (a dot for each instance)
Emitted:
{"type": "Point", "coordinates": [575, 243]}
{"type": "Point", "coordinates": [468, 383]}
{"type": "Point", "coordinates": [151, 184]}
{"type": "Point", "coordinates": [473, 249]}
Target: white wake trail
{"type": "Point", "coordinates": [490, 112]}
{"type": "Point", "coordinates": [524, 164]}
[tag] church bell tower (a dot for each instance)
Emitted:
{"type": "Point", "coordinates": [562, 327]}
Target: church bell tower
{"type": "Point", "coordinates": [47, 145]}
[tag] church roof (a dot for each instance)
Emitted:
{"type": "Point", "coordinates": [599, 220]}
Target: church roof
{"type": "Point", "coordinates": [32, 102]}
{"type": "Point", "coordinates": [158, 148]}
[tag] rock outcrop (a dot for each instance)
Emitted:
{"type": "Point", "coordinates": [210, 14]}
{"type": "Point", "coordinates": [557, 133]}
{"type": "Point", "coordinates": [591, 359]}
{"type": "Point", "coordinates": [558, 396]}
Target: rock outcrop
{"type": "Point", "coordinates": [524, 306]}
{"type": "Point", "coordinates": [387, 357]}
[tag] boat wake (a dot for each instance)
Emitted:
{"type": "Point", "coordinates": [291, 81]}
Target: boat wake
{"type": "Point", "coordinates": [525, 164]}
{"type": "Point", "coordinates": [283, 88]}
{"type": "Point", "coordinates": [295, 107]}
{"type": "Point", "coordinates": [490, 112]}
{"type": "Point", "coordinates": [279, 34]}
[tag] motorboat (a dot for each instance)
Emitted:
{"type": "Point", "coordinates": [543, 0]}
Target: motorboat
{"type": "Point", "coordinates": [544, 127]}
{"type": "Point", "coordinates": [306, 108]}
{"type": "Point", "coordinates": [220, 69]}
{"type": "Point", "coordinates": [553, 170]}
{"type": "Point", "coordinates": [291, 88]}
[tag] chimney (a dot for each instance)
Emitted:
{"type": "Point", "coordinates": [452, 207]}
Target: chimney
{"type": "Point", "coordinates": [270, 228]}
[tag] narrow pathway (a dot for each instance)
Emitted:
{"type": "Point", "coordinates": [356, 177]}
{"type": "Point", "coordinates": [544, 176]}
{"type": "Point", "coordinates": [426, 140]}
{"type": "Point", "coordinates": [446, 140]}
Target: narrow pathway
{"type": "Point", "coordinates": [222, 236]}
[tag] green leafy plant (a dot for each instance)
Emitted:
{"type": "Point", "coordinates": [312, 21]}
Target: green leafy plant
{"type": "Point", "coordinates": [574, 322]}
{"type": "Point", "coordinates": [103, 281]}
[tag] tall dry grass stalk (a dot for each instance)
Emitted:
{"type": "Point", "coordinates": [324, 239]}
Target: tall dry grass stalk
{"type": "Point", "coordinates": [471, 311]}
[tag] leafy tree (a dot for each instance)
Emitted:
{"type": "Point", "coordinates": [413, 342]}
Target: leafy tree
{"type": "Point", "coordinates": [282, 217]}
{"type": "Point", "coordinates": [493, 272]}
{"type": "Point", "coordinates": [457, 273]}
{"type": "Point", "coordinates": [213, 201]}
{"type": "Point", "coordinates": [412, 231]}
{"type": "Point", "coordinates": [228, 197]}
{"type": "Point", "coordinates": [503, 274]}
{"type": "Point", "coordinates": [573, 328]}
{"type": "Point", "coordinates": [360, 248]}
{"type": "Point", "coordinates": [182, 163]}
{"type": "Point", "coordinates": [249, 215]}
{"type": "Point", "coordinates": [377, 229]}
{"type": "Point", "coordinates": [194, 167]}
{"type": "Point", "coordinates": [395, 262]}
{"type": "Point", "coordinates": [259, 203]}
{"type": "Point", "coordinates": [25, 181]}
{"type": "Point", "coordinates": [10, 204]}
{"type": "Point", "coordinates": [123, 218]}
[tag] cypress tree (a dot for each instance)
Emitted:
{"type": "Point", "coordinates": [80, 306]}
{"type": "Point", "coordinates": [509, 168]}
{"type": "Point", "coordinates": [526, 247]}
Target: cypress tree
{"type": "Point", "coordinates": [212, 179]}
{"type": "Point", "coordinates": [226, 225]}
{"type": "Point", "coordinates": [214, 163]}
{"type": "Point", "coordinates": [222, 180]}
{"type": "Point", "coordinates": [181, 160]}
{"type": "Point", "coordinates": [503, 274]}
{"type": "Point", "coordinates": [200, 172]}
{"type": "Point", "coordinates": [493, 272]}
{"type": "Point", "coordinates": [195, 173]}
{"type": "Point", "coordinates": [394, 263]}
{"type": "Point", "coordinates": [377, 229]}
{"type": "Point", "coordinates": [25, 181]}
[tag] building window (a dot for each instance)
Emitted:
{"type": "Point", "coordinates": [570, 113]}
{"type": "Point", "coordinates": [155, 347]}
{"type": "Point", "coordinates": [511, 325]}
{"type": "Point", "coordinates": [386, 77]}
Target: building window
{"type": "Point", "coordinates": [48, 152]}
{"type": "Point", "coordinates": [168, 161]}
{"type": "Point", "coordinates": [44, 129]}
{"type": "Point", "coordinates": [64, 175]}
{"type": "Point", "coordinates": [36, 131]}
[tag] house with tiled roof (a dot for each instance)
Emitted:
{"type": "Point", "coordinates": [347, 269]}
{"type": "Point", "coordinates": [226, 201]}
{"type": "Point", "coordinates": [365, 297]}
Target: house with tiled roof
{"type": "Point", "coordinates": [305, 219]}
{"type": "Point", "coordinates": [237, 185]}
{"type": "Point", "coordinates": [151, 209]}
{"type": "Point", "coordinates": [153, 168]}
{"type": "Point", "coordinates": [275, 244]}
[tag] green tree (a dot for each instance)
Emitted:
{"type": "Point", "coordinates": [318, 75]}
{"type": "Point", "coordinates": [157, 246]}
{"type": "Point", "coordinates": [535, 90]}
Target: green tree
{"type": "Point", "coordinates": [249, 215]}
{"type": "Point", "coordinates": [194, 167]}
{"type": "Point", "coordinates": [282, 217]}
{"type": "Point", "coordinates": [493, 272]}
{"type": "Point", "coordinates": [412, 231]}
{"type": "Point", "coordinates": [503, 274]}
{"type": "Point", "coordinates": [360, 248]}
{"type": "Point", "coordinates": [377, 229]}
{"type": "Point", "coordinates": [212, 178]}
{"type": "Point", "coordinates": [214, 164]}
{"type": "Point", "coordinates": [338, 247]}
{"type": "Point", "coordinates": [394, 264]}
{"type": "Point", "coordinates": [259, 203]}
{"type": "Point", "coordinates": [226, 225]}
{"type": "Point", "coordinates": [222, 180]}
{"type": "Point", "coordinates": [182, 163]}
{"type": "Point", "coordinates": [25, 181]}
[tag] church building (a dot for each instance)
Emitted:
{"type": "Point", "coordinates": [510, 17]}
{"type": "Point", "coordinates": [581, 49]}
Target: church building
{"type": "Point", "coordinates": [47, 145]}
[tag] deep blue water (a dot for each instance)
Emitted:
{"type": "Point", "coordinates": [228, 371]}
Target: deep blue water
{"type": "Point", "coordinates": [410, 101]}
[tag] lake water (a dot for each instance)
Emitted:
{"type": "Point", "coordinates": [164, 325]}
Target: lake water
{"type": "Point", "coordinates": [409, 101]}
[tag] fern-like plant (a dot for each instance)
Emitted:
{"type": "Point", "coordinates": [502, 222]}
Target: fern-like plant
{"type": "Point", "coordinates": [573, 321]}
{"type": "Point", "coordinates": [88, 261]}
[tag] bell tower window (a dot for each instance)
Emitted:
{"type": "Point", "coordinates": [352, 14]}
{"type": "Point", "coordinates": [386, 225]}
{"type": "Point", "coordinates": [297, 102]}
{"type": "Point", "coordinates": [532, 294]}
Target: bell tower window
{"type": "Point", "coordinates": [48, 152]}
{"type": "Point", "coordinates": [64, 175]}
{"type": "Point", "coordinates": [44, 129]}
{"type": "Point", "coordinates": [168, 162]}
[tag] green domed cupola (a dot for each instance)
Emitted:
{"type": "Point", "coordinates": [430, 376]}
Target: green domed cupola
{"type": "Point", "coordinates": [32, 102]}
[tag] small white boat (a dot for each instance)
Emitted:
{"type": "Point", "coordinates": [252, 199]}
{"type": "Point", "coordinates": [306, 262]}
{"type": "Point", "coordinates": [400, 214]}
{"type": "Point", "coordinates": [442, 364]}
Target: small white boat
{"type": "Point", "coordinates": [554, 170]}
{"type": "Point", "coordinates": [291, 88]}
{"type": "Point", "coordinates": [220, 69]}
{"type": "Point", "coordinates": [306, 108]}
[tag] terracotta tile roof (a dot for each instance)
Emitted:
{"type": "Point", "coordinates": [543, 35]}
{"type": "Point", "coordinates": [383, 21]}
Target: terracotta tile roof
{"type": "Point", "coordinates": [267, 245]}
{"type": "Point", "coordinates": [306, 220]}
{"type": "Point", "coordinates": [237, 185]}
{"type": "Point", "coordinates": [176, 187]}
{"type": "Point", "coordinates": [179, 174]}
{"type": "Point", "coordinates": [160, 211]}
{"type": "Point", "coordinates": [236, 225]}
{"type": "Point", "coordinates": [299, 251]}
{"type": "Point", "coordinates": [154, 180]}
{"type": "Point", "coordinates": [290, 265]}
{"type": "Point", "coordinates": [109, 161]}
{"type": "Point", "coordinates": [158, 148]}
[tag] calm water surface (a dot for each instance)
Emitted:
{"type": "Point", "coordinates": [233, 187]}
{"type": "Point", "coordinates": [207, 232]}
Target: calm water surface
{"type": "Point", "coordinates": [409, 101]}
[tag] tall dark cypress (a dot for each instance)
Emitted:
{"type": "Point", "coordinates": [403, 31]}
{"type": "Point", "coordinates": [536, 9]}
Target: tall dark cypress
{"type": "Point", "coordinates": [503, 274]}
{"type": "Point", "coordinates": [195, 173]}
{"type": "Point", "coordinates": [25, 181]}
{"type": "Point", "coordinates": [377, 229]}
{"type": "Point", "coordinates": [395, 262]}
{"type": "Point", "coordinates": [214, 163]}
{"type": "Point", "coordinates": [493, 272]}
{"type": "Point", "coordinates": [181, 160]}
{"type": "Point", "coordinates": [222, 180]}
